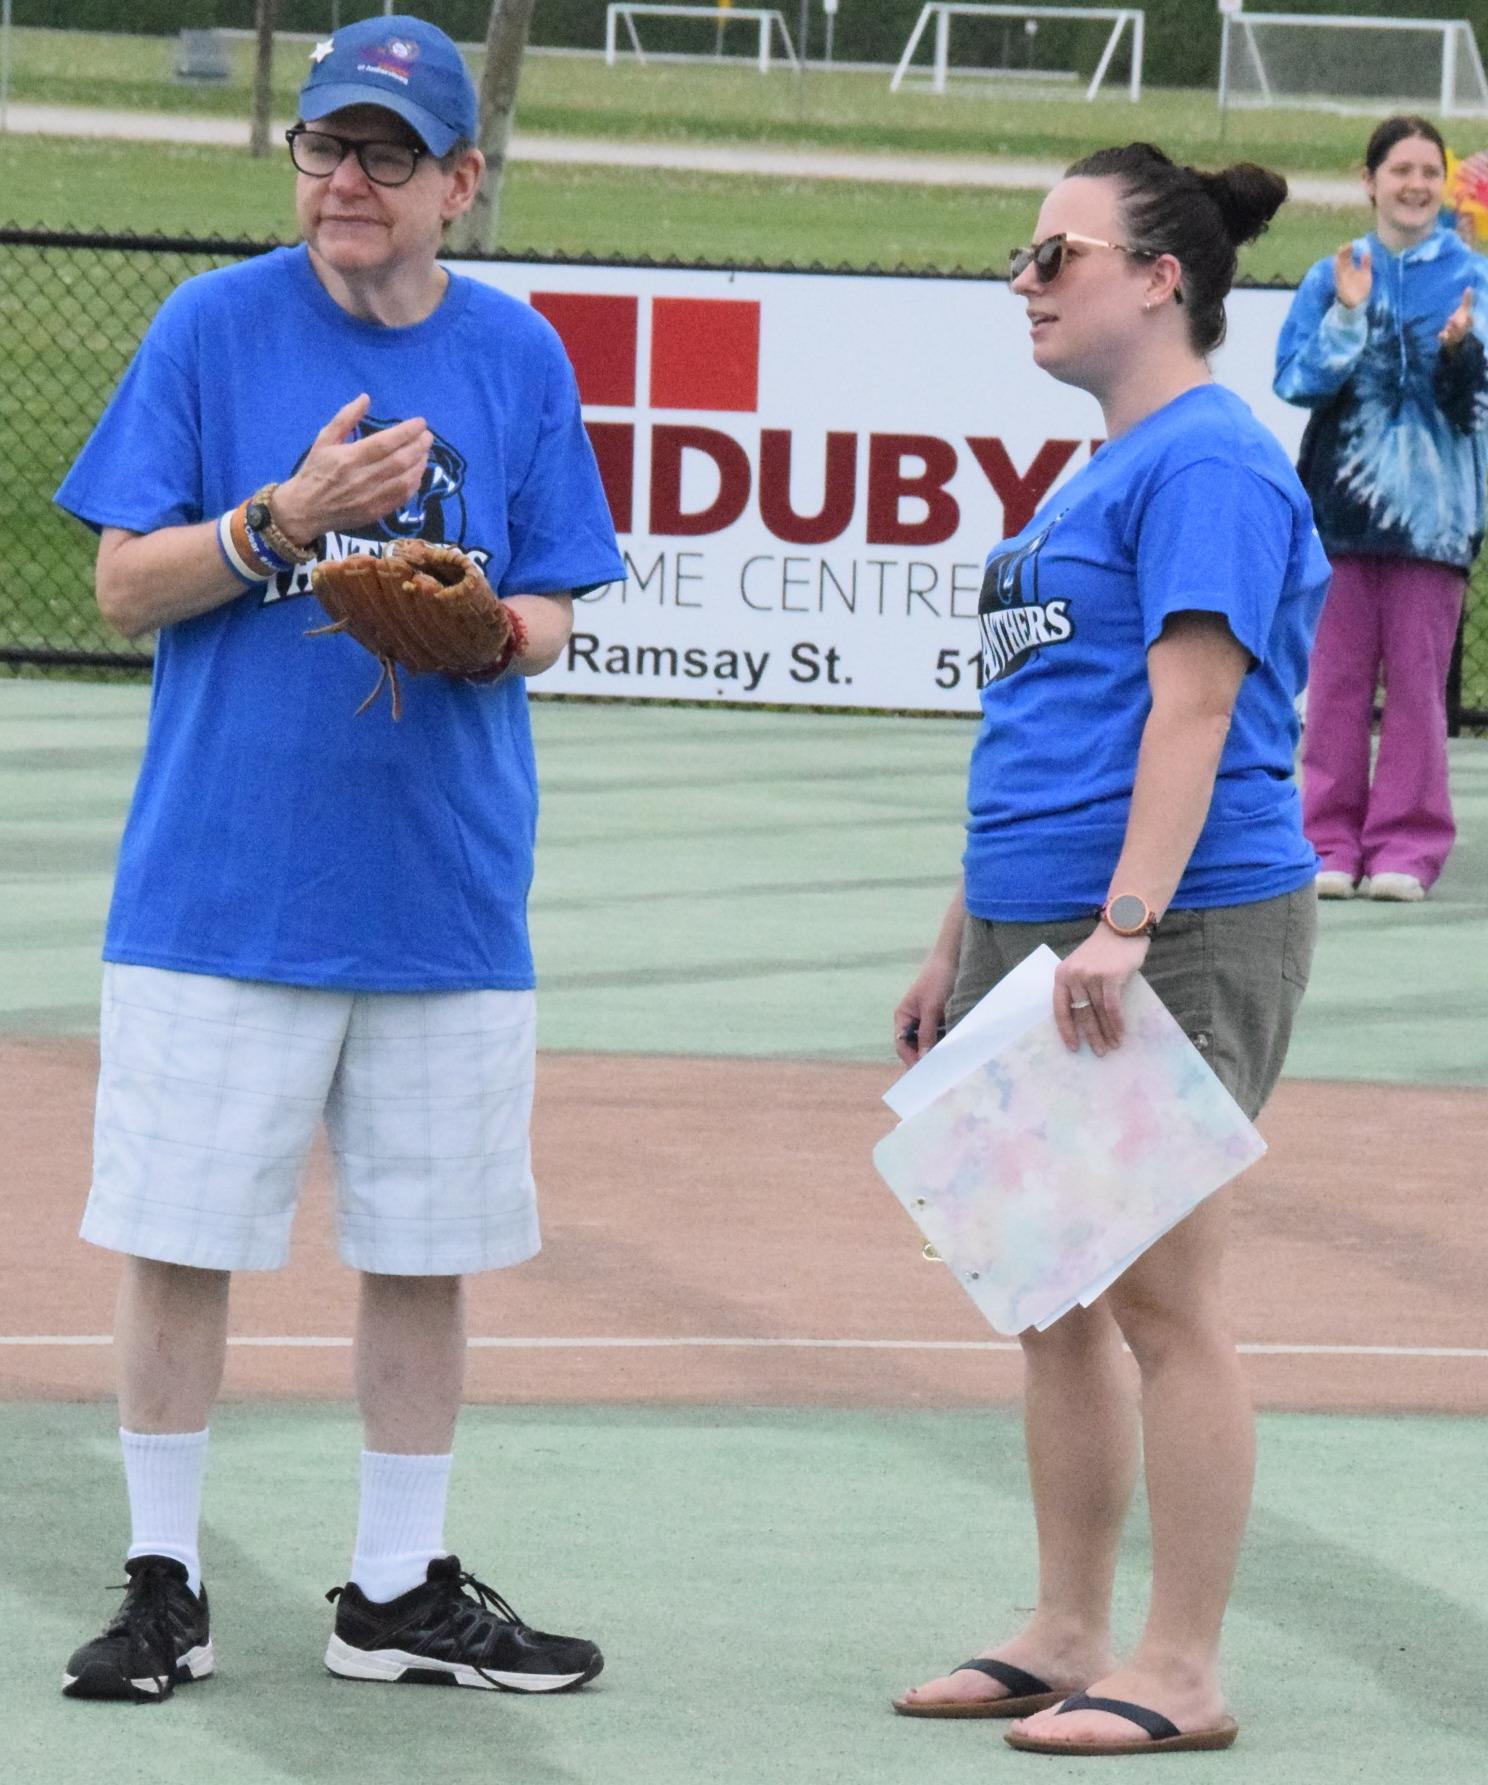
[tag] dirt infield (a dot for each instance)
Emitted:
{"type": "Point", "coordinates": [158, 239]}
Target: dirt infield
{"type": "Point", "coordinates": [734, 1202]}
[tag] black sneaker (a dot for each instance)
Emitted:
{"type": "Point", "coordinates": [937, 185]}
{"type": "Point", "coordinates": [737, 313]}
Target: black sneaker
{"type": "Point", "coordinates": [159, 1639]}
{"type": "Point", "coordinates": [452, 1631]}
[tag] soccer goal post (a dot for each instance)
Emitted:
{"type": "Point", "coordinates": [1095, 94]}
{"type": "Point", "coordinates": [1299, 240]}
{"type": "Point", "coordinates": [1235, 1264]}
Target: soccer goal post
{"type": "Point", "coordinates": [1342, 62]}
{"type": "Point", "coordinates": [766, 22]}
{"type": "Point", "coordinates": [937, 19]}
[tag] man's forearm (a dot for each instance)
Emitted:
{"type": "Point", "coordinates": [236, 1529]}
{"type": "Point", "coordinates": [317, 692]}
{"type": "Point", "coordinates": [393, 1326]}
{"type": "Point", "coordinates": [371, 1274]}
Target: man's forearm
{"type": "Point", "coordinates": [548, 621]}
{"type": "Point", "coordinates": [149, 580]}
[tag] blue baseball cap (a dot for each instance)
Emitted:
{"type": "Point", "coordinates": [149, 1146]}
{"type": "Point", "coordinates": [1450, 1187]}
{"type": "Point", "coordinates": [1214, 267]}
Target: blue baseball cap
{"type": "Point", "coordinates": [401, 64]}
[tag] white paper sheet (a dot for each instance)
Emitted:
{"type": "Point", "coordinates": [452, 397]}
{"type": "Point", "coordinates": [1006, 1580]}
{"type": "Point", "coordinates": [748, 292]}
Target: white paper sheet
{"type": "Point", "coordinates": [1018, 1000]}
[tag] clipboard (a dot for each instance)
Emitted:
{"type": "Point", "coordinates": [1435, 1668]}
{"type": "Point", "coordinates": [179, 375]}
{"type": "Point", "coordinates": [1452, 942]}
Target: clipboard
{"type": "Point", "coordinates": [1040, 1175]}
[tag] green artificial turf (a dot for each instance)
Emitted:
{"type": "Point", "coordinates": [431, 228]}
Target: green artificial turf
{"type": "Point", "coordinates": [762, 1582]}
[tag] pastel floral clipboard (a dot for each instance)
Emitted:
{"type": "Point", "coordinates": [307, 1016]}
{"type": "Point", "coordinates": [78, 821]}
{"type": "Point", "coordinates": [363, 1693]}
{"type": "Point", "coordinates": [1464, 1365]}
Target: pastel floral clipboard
{"type": "Point", "coordinates": [1041, 1175]}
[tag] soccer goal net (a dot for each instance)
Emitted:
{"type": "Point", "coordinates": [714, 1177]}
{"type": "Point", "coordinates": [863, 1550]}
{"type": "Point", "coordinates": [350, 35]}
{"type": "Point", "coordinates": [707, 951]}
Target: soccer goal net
{"type": "Point", "coordinates": [1338, 62]}
{"type": "Point", "coordinates": [689, 32]}
{"type": "Point", "coordinates": [1055, 46]}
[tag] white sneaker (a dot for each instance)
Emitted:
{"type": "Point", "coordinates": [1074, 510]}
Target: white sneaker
{"type": "Point", "coordinates": [1333, 883]}
{"type": "Point", "coordinates": [1402, 888]}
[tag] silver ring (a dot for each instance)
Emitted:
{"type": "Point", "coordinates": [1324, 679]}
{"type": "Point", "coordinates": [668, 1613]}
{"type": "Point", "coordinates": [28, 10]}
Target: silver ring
{"type": "Point", "coordinates": [1082, 1004]}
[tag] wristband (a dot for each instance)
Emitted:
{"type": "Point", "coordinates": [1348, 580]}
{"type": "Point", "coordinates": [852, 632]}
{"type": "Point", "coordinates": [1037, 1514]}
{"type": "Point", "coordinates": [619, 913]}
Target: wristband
{"type": "Point", "coordinates": [236, 562]}
{"type": "Point", "coordinates": [263, 551]}
{"type": "Point", "coordinates": [241, 535]}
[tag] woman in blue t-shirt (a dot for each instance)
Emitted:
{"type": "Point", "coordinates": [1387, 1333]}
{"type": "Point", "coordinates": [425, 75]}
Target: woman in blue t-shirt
{"type": "Point", "coordinates": [1132, 805]}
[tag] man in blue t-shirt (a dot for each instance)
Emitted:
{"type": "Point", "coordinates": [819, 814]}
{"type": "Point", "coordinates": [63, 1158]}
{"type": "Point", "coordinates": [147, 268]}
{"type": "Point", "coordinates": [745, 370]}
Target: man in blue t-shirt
{"type": "Point", "coordinates": [319, 915]}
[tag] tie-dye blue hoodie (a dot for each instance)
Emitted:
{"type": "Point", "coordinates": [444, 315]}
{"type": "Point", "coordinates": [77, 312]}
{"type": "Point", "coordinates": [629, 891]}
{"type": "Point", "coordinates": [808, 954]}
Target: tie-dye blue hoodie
{"type": "Point", "coordinates": [1395, 456]}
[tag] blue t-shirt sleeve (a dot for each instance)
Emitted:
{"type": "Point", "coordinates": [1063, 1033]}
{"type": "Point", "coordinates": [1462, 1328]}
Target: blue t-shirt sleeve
{"type": "Point", "coordinates": [142, 467]}
{"type": "Point", "coordinates": [559, 523]}
{"type": "Point", "coordinates": [1214, 538]}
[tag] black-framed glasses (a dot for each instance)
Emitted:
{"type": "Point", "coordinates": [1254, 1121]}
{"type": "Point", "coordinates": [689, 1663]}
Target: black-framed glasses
{"type": "Point", "coordinates": [318, 153]}
{"type": "Point", "coordinates": [1047, 257]}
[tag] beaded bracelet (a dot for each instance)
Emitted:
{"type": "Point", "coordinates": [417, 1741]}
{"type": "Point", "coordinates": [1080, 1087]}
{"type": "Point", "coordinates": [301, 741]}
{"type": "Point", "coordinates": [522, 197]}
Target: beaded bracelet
{"type": "Point", "coordinates": [274, 536]}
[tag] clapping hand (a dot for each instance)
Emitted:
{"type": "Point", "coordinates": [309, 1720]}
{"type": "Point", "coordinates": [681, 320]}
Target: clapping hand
{"type": "Point", "coordinates": [1459, 323]}
{"type": "Point", "coordinates": [1352, 281]}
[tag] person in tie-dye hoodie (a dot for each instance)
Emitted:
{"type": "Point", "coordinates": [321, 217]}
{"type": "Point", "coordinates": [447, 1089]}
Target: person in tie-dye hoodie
{"type": "Point", "coordinates": [1384, 343]}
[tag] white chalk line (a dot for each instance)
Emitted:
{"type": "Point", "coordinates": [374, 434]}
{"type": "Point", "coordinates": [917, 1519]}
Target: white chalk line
{"type": "Point", "coordinates": [287, 1342]}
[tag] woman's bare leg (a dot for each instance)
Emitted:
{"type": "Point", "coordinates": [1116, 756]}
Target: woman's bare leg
{"type": "Point", "coordinates": [1199, 1437]}
{"type": "Point", "coordinates": [1080, 1422]}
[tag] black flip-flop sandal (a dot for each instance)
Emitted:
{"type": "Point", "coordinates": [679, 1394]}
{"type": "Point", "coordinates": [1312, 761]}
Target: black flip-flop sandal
{"type": "Point", "coordinates": [1163, 1736]}
{"type": "Point", "coordinates": [1027, 1693]}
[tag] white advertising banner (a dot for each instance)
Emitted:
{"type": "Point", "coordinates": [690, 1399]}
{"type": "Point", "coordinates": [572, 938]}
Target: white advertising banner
{"type": "Point", "coordinates": [807, 472]}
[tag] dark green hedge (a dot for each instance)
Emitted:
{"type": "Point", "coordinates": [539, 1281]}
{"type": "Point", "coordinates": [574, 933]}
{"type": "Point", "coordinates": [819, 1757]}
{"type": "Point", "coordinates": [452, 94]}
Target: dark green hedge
{"type": "Point", "coordinates": [1182, 35]}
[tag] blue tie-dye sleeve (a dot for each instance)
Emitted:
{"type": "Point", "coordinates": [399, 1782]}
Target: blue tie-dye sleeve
{"type": "Point", "coordinates": [1459, 380]}
{"type": "Point", "coordinates": [1320, 341]}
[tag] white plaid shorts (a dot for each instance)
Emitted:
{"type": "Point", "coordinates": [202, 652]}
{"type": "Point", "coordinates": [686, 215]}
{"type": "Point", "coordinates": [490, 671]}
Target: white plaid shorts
{"type": "Point", "coordinates": [210, 1092]}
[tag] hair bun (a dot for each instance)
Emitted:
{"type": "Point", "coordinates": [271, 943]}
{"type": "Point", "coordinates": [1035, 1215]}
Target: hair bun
{"type": "Point", "coordinates": [1247, 197]}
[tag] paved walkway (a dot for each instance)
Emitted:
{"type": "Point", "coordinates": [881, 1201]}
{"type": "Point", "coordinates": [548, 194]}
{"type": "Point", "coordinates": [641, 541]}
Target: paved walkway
{"type": "Point", "coordinates": [739, 158]}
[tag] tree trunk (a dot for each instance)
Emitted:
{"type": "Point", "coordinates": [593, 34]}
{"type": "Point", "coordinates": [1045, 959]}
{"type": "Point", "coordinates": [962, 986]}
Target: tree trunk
{"type": "Point", "coordinates": [506, 42]}
{"type": "Point", "coordinates": [263, 76]}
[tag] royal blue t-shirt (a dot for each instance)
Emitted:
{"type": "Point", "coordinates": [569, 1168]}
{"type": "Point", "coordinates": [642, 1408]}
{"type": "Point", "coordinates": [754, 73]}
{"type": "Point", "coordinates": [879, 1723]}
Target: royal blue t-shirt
{"type": "Point", "coordinates": [274, 835]}
{"type": "Point", "coordinates": [1196, 509]}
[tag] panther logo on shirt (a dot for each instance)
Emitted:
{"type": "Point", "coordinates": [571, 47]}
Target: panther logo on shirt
{"type": "Point", "coordinates": [1016, 622]}
{"type": "Point", "coordinates": [437, 510]}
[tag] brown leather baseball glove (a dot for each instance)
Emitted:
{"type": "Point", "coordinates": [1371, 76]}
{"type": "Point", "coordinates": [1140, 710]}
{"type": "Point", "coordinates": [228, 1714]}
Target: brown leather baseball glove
{"type": "Point", "coordinates": [420, 607]}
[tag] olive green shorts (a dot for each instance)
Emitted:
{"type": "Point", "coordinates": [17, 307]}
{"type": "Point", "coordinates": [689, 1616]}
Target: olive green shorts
{"type": "Point", "coordinates": [1232, 976]}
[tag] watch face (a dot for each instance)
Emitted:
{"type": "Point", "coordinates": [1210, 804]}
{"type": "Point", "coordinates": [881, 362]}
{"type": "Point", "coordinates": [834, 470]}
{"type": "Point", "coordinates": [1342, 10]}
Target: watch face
{"type": "Point", "coordinates": [1127, 912]}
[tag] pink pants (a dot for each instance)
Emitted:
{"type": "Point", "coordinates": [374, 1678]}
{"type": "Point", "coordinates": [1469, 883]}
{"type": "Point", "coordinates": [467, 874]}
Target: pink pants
{"type": "Point", "coordinates": [1395, 620]}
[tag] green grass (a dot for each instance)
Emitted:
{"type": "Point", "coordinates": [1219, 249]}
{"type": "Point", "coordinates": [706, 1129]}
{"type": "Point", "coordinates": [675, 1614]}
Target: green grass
{"type": "Point", "coordinates": [161, 188]}
{"type": "Point", "coordinates": [732, 103]}
{"type": "Point", "coordinates": [148, 188]}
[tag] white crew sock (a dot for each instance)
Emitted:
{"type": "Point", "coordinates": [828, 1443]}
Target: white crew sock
{"type": "Point", "coordinates": [164, 1473]}
{"type": "Point", "coordinates": [400, 1522]}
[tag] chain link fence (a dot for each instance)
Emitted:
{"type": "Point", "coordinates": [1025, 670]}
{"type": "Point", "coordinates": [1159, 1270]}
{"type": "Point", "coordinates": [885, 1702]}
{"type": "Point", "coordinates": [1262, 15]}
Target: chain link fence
{"type": "Point", "coordinates": [73, 309]}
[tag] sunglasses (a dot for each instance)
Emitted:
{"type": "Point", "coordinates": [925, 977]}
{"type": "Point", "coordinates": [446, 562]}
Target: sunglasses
{"type": "Point", "coordinates": [1047, 257]}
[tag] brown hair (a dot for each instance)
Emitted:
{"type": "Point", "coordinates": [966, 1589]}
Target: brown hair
{"type": "Point", "coordinates": [1201, 219]}
{"type": "Point", "coordinates": [1398, 129]}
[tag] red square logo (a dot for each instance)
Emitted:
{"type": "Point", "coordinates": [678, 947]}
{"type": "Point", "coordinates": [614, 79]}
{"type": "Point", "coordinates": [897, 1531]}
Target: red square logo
{"type": "Point", "coordinates": [599, 334]}
{"type": "Point", "coordinates": [705, 354]}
